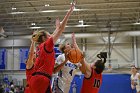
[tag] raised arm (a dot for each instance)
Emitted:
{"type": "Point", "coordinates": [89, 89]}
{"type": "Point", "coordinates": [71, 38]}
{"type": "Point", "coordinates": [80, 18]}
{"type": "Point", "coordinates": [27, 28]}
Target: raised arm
{"type": "Point", "coordinates": [85, 67]}
{"type": "Point", "coordinates": [74, 43]}
{"type": "Point", "coordinates": [60, 27]}
{"type": "Point", "coordinates": [30, 62]}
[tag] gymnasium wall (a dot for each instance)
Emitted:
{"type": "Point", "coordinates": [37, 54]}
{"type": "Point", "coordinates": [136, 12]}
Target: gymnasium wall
{"type": "Point", "coordinates": [122, 52]}
{"type": "Point", "coordinates": [13, 59]}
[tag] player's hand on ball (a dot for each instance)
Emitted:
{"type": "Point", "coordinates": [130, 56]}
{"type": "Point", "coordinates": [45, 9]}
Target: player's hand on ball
{"type": "Point", "coordinates": [34, 38]}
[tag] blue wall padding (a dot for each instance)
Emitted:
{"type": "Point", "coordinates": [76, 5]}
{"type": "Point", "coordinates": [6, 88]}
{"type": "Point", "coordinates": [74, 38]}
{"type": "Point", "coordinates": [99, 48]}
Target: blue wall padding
{"type": "Point", "coordinates": [112, 83]}
{"type": "Point", "coordinates": [2, 58]}
{"type": "Point", "coordinates": [78, 80]}
{"type": "Point", "coordinates": [116, 83]}
{"type": "Point", "coordinates": [23, 57]}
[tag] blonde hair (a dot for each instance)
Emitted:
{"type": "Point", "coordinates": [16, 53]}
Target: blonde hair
{"type": "Point", "coordinates": [62, 47]}
{"type": "Point", "coordinates": [37, 35]}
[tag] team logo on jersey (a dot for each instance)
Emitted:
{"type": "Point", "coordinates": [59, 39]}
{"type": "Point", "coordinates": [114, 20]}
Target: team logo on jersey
{"type": "Point", "coordinates": [68, 64]}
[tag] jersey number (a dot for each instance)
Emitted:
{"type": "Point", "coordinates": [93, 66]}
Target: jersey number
{"type": "Point", "coordinates": [96, 83]}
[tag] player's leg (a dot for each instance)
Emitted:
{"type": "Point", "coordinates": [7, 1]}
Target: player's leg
{"type": "Point", "coordinates": [27, 90]}
{"type": "Point", "coordinates": [39, 84]}
{"type": "Point", "coordinates": [67, 87]}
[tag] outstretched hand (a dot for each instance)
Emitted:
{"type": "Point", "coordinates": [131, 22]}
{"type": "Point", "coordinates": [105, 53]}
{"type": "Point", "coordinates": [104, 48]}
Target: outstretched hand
{"type": "Point", "coordinates": [74, 44]}
{"type": "Point", "coordinates": [72, 6]}
{"type": "Point", "coordinates": [60, 27]}
{"type": "Point", "coordinates": [57, 23]}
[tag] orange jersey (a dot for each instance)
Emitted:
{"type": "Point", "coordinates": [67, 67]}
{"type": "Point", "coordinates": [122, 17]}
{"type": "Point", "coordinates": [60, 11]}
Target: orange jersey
{"type": "Point", "coordinates": [92, 84]}
{"type": "Point", "coordinates": [45, 57]}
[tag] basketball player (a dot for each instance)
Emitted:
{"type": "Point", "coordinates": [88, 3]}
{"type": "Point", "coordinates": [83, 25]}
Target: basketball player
{"type": "Point", "coordinates": [92, 75]}
{"type": "Point", "coordinates": [29, 66]}
{"type": "Point", "coordinates": [65, 80]}
{"type": "Point", "coordinates": [135, 79]}
{"type": "Point", "coordinates": [45, 56]}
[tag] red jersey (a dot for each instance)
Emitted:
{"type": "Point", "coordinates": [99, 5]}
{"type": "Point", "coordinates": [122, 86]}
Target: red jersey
{"type": "Point", "coordinates": [45, 57]}
{"type": "Point", "coordinates": [29, 73]}
{"type": "Point", "coordinates": [92, 84]}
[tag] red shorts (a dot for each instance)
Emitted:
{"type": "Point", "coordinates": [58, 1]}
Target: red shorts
{"type": "Point", "coordinates": [40, 84]}
{"type": "Point", "coordinates": [27, 90]}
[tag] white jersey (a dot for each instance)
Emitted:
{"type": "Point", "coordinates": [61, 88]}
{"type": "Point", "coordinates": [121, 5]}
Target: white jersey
{"type": "Point", "coordinates": [135, 79]}
{"type": "Point", "coordinates": [67, 75]}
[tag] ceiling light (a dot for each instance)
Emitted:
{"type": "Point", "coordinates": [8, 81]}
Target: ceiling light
{"type": "Point", "coordinates": [81, 22]}
{"type": "Point", "coordinates": [17, 13]}
{"type": "Point", "coordinates": [49, 11]}
{"type": "Point", "coordinates": [80, 9]}
{"type": "Point", "coordinates": [79, 26]}
{"type": "Point", "coordinates": [75, 9]}
{"type": "Point", "coordinates": [47, 5]}
{"type": "Point", "coordinates": [137, 23]}
{"type": "Point", "coordinates": [36, 27]}
{"type": "Point", "coordinates": [13, 8]}
{"type": "Point", "coordinates": [32, 24]}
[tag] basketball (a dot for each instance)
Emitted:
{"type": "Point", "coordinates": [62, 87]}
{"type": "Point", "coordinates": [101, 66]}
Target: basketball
{"type": "Point", "coordinates": [74, 55]}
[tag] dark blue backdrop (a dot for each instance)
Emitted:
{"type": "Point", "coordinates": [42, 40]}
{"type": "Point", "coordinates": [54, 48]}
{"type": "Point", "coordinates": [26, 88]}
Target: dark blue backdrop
{"type": "Point", "coordinates": [24, 55]}
{"type": "Point", "coordinates": [2, 58]}
{"type": "Point", "coordinates": [112, 83]}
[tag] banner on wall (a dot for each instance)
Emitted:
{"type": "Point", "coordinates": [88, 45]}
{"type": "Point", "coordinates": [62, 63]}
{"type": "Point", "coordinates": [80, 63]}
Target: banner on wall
{"type": "Point", "coordinates": [2, 58]}
{"type": "Point", "coordinates": [23, 57]}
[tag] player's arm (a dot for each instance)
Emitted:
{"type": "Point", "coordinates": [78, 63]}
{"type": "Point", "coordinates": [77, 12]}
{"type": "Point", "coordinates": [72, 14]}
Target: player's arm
{"type": "Point", "coordinates": [85, 67]}
{"type": "Point", "coordinates": [58, 67]}
{"type": "Point", "coordinates": [60, 27]}
{"type": "Point", "coordinates": [132, 83]}
{"type": "Point", "coordinates": [29, 62]}
{"type": "Point", "coordinates": [74, 43]}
